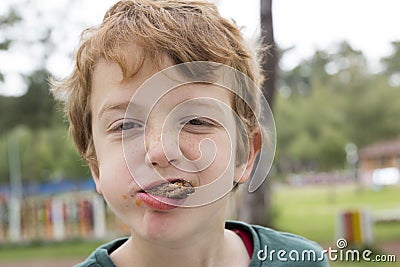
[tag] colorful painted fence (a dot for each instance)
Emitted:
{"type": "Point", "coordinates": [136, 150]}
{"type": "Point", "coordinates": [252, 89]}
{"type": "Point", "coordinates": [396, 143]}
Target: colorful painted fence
{"type": "Point", "coordinates": [60, 217]}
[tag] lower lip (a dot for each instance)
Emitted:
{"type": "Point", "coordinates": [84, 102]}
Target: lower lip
{"type": "Point", "coordinates": [159, 203]}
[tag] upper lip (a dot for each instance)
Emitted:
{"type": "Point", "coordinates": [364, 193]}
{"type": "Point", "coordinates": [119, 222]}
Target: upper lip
{"type": "Point", "coordinates": [170, 180]}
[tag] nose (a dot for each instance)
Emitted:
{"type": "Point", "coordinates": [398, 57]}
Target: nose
{"type": "Point", "coordinates": [162, 149]}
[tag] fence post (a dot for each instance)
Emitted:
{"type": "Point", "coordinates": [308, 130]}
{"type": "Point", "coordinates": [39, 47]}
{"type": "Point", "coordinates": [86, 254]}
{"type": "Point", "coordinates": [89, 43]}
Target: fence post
{"type": "Point", "coordinates": [355, 226]}
{"type": "Point", "coordinates": [57, 213]}
{"type": "Point", "coordinates": [99, 217]}
{"type": "Point", "coordinates": [15, 189]}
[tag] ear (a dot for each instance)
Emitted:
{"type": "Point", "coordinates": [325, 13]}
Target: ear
{"type": "Point", "coordinates": [95, 174]}
{"type": "Point", "coordinates": [254, 148]}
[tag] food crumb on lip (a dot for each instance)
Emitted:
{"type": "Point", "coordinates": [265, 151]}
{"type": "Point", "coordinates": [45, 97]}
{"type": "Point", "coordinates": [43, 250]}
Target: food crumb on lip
{"type": "Point", "coordinates": [178, 189]}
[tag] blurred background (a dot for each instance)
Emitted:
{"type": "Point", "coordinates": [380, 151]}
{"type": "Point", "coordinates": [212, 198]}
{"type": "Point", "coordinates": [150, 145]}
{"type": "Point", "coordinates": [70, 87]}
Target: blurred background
{"type": "Point", "coordinates": [335, 84]}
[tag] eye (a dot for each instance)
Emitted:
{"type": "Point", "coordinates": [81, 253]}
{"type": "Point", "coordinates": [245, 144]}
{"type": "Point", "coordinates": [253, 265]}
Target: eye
{"type": "Point", "coordinates": [125, 125]}
{"type": "Point", "coordinates": [198, 122]}
{"type": "Point", "coordinates": [199, 125]}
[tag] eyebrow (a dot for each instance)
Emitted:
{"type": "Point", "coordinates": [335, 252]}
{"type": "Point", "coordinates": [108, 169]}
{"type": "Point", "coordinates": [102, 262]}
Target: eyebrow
{"type": "Point", "coordinates": [123, 106]}
{"type": "Point", "coordinates": [120, 106]}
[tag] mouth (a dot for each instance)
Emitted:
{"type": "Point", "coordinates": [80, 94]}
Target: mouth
{"type": "Point", "coordinates": [176, 189]}
{"type": "Point", "coordinates": [165, 196]}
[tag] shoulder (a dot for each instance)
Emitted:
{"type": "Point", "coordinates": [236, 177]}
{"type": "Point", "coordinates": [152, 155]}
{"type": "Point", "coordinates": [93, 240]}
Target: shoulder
{"type": "Point", "coordinates": [100, 257]}
{"type": "Point", "coordinates": [275, 248]}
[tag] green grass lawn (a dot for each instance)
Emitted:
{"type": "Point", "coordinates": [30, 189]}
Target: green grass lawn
{"type": "Point", "coordinates": [50, 250]}
{"type": "Point", "coordinates": [313, 211]}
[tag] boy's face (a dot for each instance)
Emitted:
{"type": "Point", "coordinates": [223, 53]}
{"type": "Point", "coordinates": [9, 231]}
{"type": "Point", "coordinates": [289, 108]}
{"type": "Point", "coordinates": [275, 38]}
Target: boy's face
{"type": "Point", "coordinates": [188, 134]}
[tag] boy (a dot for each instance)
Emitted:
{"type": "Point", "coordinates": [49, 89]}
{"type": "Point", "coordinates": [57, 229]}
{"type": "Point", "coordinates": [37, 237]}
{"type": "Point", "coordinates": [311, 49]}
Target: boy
{"type": "Point", "coordinates": [153, 113]}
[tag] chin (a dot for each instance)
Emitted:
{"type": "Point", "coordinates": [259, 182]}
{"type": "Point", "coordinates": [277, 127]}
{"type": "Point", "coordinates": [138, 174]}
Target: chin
{"type": "Point", "coordinates": [164, 226]}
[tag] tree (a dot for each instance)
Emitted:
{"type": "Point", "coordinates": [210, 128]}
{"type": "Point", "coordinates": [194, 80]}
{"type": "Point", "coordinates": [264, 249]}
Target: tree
{"type": "Point", "coordinates": [392, 65]}
{"type": "Point", "coordinates": [45, 150]}
{"type": "Point", "coordinates": [256, 207]}
{"type": "Point", "coordinates": [329, 100]}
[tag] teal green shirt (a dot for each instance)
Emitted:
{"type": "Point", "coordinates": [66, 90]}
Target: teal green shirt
{"type": "Point", "coordinates": [270, 248]}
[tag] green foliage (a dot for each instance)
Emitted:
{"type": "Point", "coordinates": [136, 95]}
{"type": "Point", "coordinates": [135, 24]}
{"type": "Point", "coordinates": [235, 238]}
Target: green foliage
{"type": "Point", "coordinates": [45, 154]}
{"type": "Point", "coordinates": [34, 109]}
{"type": "Point", "coordinates": [392, 62]}
{"type": "Point", "coordinates": [328, 101]}
{"type": "Point", "coordinates": [373, 112]}
{"type": "Point", "coordinates": [10, 19]}
{"type": "Point", "coordinates": [46, 151]}
{"type": "Point", "coordinates": [4, 162]}
{"type": "Point", "coordinates": [4, 45]}
{"type": "Point", "coordinates": [6, 21]}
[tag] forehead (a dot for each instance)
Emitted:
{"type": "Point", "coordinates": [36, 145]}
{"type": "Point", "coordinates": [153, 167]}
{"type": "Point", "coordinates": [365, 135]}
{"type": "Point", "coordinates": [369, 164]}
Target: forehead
{"type": "Point", "coordinates": [109, 90]}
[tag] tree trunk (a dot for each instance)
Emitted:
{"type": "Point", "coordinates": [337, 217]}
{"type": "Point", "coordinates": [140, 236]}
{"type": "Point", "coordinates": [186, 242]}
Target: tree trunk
{"type": "Point", "coordinates": [269, 59]}
{"type": "Point", "coordinates": [255, 208]}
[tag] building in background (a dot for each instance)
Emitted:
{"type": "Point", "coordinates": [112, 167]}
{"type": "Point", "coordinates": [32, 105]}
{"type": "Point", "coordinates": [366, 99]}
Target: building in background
{"type": "Point", "coordinates": [379, 163]}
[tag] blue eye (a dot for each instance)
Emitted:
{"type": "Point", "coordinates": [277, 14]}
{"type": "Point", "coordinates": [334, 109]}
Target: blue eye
{"type": "Point", "coordinates": [126, 125]}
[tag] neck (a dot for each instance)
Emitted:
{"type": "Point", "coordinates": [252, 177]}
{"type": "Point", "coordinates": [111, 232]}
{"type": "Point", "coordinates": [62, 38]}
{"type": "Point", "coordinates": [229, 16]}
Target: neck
{"type": "Point", "coordinates": [208, 248]}
{"type": "Point", "coordinates": [211, 245]}
{"type": "Point", "coordinates": [203, 249]}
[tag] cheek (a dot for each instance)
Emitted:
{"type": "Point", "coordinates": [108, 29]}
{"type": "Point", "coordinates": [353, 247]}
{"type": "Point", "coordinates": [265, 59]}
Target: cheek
{"type": "Point", "coordinates": [114, 176]}
{"type": "Point", "coordinates": [217, 152]}
{"type": "Point", "coordinates": [189, 146]}
{"type": "Point", "coordinates": [195, 147]}
{"type": "Point", "coordinates": [225, 152]}
{"type": "Point", "coordinates": [117, 184]}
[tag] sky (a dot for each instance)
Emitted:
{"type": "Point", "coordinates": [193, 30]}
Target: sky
{"type": "Point", "coordinates": [306, 25]}
{"type": "Point", "coordinates": [368, 25]}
